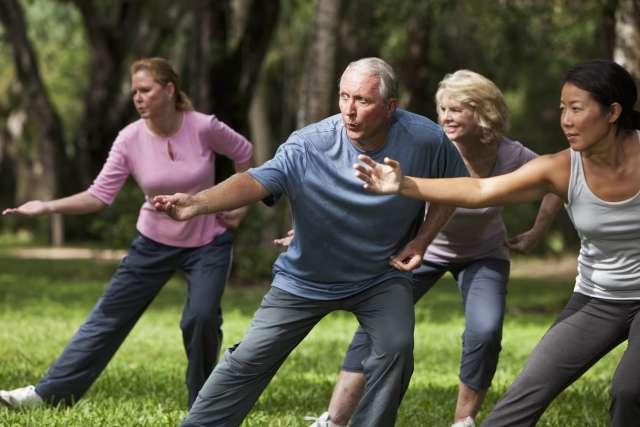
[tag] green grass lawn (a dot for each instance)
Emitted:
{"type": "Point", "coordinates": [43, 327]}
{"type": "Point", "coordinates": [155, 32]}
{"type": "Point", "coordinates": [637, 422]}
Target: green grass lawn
{"type": "Point", "coordinates": [43, 302]}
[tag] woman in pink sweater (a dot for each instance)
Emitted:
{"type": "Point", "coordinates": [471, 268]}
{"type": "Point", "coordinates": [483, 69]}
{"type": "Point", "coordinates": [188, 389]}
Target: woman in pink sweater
{"type": "Point", "coordinates": [170, 148]}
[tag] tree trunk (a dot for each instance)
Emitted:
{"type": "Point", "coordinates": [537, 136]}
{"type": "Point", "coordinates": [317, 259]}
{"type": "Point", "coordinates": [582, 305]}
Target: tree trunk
{"type": "Point", "coordinates": [50, 158]}
{"type": "Point", "coordinates": [626, 50]}
{"type": "Point", "coordinates": [318, 86]}
{"type": "Point", "coordinates": [414, 70]}
{"type": "Point", "coordinates": [223, 64]}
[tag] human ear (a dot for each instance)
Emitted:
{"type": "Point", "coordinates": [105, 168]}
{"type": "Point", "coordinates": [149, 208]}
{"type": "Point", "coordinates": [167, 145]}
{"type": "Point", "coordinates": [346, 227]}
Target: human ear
{"type": "Point", "coordinates": [392, 104]}
{"type": "Point", "coordinates": [171, 89]}
{"type": "Point", "coordinates": [614, 112]}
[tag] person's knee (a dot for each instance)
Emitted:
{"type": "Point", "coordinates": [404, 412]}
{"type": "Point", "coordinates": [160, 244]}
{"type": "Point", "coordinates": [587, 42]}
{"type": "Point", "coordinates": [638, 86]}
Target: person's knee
{"type": "Point", "coordinates": [394, 345]}
{"type": "Point", "coordinates": [486, 337]}
{"type": "Point", "coordinates": [202, 318]}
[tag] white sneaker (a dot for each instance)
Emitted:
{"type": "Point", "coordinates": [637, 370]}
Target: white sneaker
{"type": "Point", "coordinates": [322, 421]}
{"type": "Point", "coordinates": [467, 422]}
{"type": "Point", "coordinates": [21, 397]}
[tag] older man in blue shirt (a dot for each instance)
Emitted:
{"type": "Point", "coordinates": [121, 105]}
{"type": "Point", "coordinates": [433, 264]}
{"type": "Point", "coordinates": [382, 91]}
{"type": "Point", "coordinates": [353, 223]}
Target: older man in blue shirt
{"type": "Point", "coordinates": [344, 238]}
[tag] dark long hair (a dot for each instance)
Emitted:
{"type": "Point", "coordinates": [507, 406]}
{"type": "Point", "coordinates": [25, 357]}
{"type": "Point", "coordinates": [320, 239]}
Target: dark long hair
{"type": "Point", "coordinates": [608, 82]}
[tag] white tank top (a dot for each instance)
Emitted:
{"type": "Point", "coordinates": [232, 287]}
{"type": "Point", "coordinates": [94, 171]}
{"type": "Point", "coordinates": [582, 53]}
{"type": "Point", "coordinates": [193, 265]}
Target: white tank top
{"type": "Point", "coordinates": [609, 260]}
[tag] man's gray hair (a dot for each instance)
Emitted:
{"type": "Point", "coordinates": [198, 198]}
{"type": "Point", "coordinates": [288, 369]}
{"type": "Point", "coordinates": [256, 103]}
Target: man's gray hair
{"type": "Point", "coordinates": [377, 67]}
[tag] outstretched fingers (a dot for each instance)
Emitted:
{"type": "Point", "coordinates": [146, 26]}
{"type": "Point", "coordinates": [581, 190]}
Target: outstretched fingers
{"type": "Point", "coordinates": [364, 173]}
{"type": "Point", "coordinates": [393, 163]}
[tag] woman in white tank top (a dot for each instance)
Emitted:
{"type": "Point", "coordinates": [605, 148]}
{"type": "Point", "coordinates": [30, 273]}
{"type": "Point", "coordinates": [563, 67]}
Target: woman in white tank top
{"type": "Point", "coordinates": [598, 177]}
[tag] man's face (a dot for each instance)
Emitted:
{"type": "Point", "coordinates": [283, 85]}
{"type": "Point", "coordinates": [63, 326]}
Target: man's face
{"type": "Point", "coordinates": [364, 112]}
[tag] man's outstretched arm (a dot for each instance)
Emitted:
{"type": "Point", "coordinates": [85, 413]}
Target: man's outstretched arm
{"type": "Point", "coordinates": [238, 190]}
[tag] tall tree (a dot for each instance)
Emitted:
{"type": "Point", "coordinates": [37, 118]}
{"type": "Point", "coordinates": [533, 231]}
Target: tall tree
{"type": "Point", "coordinates": [50, 153]}
{"type": "Point", "coordinates": [221, 62]}
{"type": "Point", "coordinates": [626, 50]}
{"type": "Point", "coordinates": [318, 85]}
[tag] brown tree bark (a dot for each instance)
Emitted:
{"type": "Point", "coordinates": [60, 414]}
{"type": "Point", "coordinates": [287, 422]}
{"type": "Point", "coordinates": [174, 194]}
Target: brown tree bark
{"type": "Point", "coordinates": [220, 65]}
{"type": "Point", "coordinates": [318, 86]}
{"type": "Point", "coordinates": [50, 158]}
{"type": "Point", "coordinates": [414, 70]}
{"type": "Point", "coordinates": [626, 51]}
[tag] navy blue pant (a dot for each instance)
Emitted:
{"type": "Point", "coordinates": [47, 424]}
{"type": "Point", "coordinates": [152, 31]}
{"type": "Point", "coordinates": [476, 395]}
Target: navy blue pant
{"type": "Point", "coordinates": [138, 279]}
{"type": "Point", "coordinates": [483, 286]}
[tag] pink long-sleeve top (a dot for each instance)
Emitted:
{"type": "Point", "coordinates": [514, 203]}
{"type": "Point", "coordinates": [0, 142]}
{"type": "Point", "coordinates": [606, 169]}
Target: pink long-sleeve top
{"type": "Point", "coordinates": [183, 162]}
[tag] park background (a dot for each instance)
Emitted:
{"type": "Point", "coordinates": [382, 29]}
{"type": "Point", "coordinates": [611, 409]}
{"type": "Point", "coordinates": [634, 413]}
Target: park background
{"type": "Point", "coordinates": [266, 67]}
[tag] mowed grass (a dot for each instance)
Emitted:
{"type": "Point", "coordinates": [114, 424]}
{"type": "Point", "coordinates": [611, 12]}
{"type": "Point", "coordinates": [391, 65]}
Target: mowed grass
{"type": "Point", "coordinates": [43, 302]}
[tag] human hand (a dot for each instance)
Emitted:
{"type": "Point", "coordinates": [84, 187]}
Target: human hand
{"type": "Point", "coordinates": [383, 178]}
{"type": "Point", "coordinates": [284, 241]}
{"type": "Point", "coordinates": [179, 206]}
{"type": "Point", "coordinates": [410, 257]}
{"type": "Point", "coordinates": [30, 209]}
{"type": "Point", "coordinates": [232, 219]}
{"type": "Point", "coordinates": [523, 243]}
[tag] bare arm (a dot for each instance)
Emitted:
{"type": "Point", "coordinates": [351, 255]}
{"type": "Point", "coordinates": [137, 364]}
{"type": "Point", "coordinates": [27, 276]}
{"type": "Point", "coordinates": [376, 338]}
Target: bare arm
{"type": "Point", "coordinates": [526, 241]}
{"type": "Point", "coordinates": [232, 219]}
{"type": "Point", "coordinates": [238, 190]}
{"type": "Point", "coordinates": [79, 203]}
{"type": "Point", "coordinates": [546, 174]}
{"type": "Point", "coordinates": [410, 257]}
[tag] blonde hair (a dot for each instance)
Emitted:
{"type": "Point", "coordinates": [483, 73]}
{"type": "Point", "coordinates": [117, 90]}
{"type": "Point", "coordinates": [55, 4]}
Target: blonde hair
{"type": "Point", "coordinates": [163, 73]}
{"type": "Point", "coordinates": [482, 96]}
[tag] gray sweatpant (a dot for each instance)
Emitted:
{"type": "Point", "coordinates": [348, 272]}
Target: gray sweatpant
{"type": "Point", "coordinates": [384, 311]}
{"type": "Point", "coordinates": [586, 330]}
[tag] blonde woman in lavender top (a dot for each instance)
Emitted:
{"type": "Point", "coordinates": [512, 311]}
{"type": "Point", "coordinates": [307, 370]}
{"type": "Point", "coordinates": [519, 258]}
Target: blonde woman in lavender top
{"type": "Point", "coordinates": [170, 148]}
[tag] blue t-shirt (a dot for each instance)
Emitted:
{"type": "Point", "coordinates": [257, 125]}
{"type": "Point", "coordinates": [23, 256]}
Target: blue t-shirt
{"type": "Point", "coordinates": [345, 235]}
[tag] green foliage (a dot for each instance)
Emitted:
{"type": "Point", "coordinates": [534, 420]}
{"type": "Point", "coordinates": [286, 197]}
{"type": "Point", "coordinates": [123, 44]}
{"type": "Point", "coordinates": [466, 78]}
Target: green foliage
{"type": "Point", "coordinates": [254, 252]}
{"type": "Point", "coordinates": [43, 302]}
{"type": "Point", "coordinates": [113, 227]}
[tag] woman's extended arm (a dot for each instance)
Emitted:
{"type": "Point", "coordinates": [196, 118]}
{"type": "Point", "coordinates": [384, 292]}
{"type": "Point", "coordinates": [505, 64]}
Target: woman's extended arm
{"type": "Point", "coordinates": [546, 174]}
{"type": "Point", "coordinates": [79, 203]}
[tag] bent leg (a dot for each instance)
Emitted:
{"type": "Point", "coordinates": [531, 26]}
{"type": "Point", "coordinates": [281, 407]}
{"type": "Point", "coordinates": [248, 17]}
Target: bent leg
{"type": "Point", "coordinates": [385, 312]}
{"type": "Point", "coordinates": [137, 280]}
{"type": "Point", "coordinates": [625, 389]}
{"type": "Point", "coordinates": [586, 330]}
{"type": "Point", "coordinates": [350, 384]}
{"type": "Point", "coordinates": [483, 285]}
{"type": "Point", "coordinates": [281, 322]}
{"type": "Point", "coordinates": [206, 269]}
